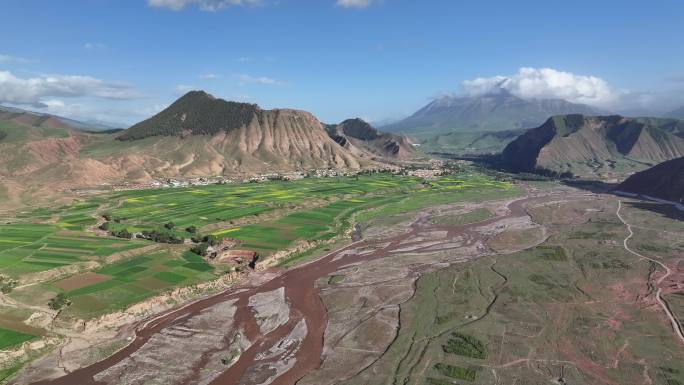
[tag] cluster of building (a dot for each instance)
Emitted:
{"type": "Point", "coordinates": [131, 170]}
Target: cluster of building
{"type": "Point", "coordinates": [431, 169]}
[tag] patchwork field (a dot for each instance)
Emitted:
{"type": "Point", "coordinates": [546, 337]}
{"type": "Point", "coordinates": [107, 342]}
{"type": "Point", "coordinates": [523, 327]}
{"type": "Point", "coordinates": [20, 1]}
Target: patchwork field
{"type": "Point", "coordinates": [58, 257]}
{"type": "Point", "coordinates": [56, 251]}
{"type": "Point", "coordinates": [115, 286]}
{"type": "Point", "coordinates": [33, 247]}
{"type": "Point", "coordinates": [221, 203]}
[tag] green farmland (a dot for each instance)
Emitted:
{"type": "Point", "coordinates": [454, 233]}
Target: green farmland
{"type": "Point", "coordinates": [326, 222]}
{"type": "Point", "coordinates": [9, 338]}
{"type": "Point", "coordinates": [263, 217]}
{"type": "Point", "coordinates": [199, 206]}
{"type": "Point", "coordinates": [136, 279]}
{"type": "Point", "coordinates": [27, 248]}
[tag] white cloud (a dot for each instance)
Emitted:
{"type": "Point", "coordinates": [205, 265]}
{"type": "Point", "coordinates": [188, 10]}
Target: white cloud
{"type": "Point", "coordinates": [547, 83]}
{"type": "Point", "coordinates": [264, 80]}
{"type": "Point", "coordinates": [354, 3]}
{"type": "Point", "coordinates": [205, 5]}
{"type": "Point", "coordinates": [76, 110]}
{"type": "Point", "coordinates": [208, 76]}
{"type": "Point", "coordinates": [33, 91]}
{"type": "Point", "coordinates": [89, 112]}
{"type": "Point", "coordinates": [12, 59]}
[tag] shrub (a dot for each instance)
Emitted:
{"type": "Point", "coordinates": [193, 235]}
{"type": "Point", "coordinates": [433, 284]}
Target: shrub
{"type": "Point", "coordinates": [169, 225]}
{"type": "Point", "coordinates": [105, 226]}
{"type": "Point", "coordinates": [159, 237]}
{"type": "Point", "coordinates": [58, 301]}
{"type": "Point", "coordinates": [213, 240]}
{"type": "Point", "coordinates": [457, 372]}
{"type": "Point", "coordinates": [465, 345]}
{"type": "Point", "coordinates": [7, 285]}
{"type": "Point", "coordinates": [191, 229]}
{"type": "Point", "coordinates": [200, 249]}
{"type": "Point", "coordinates": [122, 234]}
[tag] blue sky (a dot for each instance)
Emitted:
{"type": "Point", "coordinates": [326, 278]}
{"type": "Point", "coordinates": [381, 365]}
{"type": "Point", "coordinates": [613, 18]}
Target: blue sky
{"type": "Point", "coordinates": [123, 60]}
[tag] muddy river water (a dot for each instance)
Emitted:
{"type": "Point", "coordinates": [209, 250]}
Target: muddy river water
{"type": "Point", "coordinates": [305, 306]}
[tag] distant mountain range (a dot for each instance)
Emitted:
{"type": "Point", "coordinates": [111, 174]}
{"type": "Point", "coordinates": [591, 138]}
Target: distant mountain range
{"type": "Point", "coordinates": [676, 114]}
{"type": "Point", "coordinates": [38, 119]}
{"type": "Point", "coordinates": [605, 146]}
{"type": "Point", "coordinates": [198, 135]}
{"type": "Point", "coordinates": [664, 181]}
{"type": "Point", "coordinates": [495, 111]}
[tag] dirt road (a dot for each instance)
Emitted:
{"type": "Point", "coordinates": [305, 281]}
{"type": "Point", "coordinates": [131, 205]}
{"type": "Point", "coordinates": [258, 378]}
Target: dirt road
{"type": "Point", "coordinates": [676, 326]}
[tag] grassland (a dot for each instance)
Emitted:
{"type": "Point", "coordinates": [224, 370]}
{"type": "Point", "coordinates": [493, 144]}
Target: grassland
{"type": "Point", "coordinates": [576, 305]}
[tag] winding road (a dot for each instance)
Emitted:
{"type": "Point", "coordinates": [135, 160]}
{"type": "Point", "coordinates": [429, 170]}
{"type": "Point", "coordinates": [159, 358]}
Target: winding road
{"type": "Point", "coordinates": [676, 326]}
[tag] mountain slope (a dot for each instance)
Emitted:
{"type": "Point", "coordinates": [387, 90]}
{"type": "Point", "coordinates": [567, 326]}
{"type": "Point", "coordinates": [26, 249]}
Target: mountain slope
{"type": "Point", "coordinates": [37, 119]}
{"type": "Point", "coordinates": [198, 135]}
{"type": "Point", "coordinates": [606, 146]}
{"type": "Point", "coordinates": [665, 181]}
{"type": "Point", "coordinates": [195, 113]}
{"type": "Point", "coordinates": [495, 111]}
{"type": "Point", "coordinates": [360, 137]}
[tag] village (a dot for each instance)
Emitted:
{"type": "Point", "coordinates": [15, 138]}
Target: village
{"type": "Point", "coordinates": [430, 169]}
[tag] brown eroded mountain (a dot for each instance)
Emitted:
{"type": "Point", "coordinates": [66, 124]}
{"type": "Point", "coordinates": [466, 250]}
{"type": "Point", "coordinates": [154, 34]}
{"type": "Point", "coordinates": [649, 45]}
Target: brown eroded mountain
{"type": "Point", "coordinates": [605, 146]}
{"type": "Point", "coordinates": [362, 139]}
{"type": "Point", "coordinates": [198, 135]}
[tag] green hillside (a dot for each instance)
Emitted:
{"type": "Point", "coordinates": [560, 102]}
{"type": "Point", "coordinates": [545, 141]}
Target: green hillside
{"type": "Point", "coordinates": [195, 113]}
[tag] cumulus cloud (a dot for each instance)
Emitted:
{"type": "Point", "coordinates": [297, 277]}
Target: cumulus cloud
{"type": "Point", "coordinates": [264, 80]}
{"type": "Point", "coordinates": [87, 111]}
{"type": "Point", "coordinates": [546, 83]}
{"type": "Point", "coordinates": [354, 3]}
{"type": "Point", "coordinates": [205, 5]}
{"type": "Point", "coordinates": [32, 91]}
